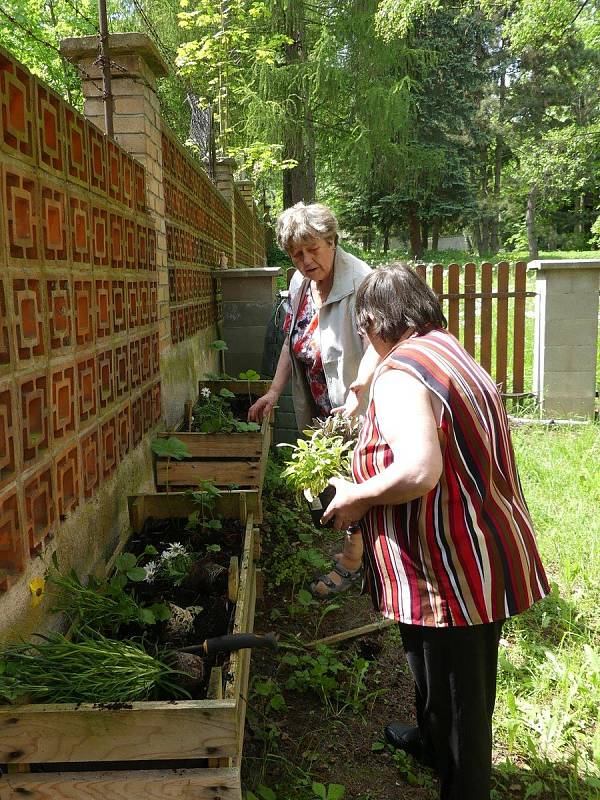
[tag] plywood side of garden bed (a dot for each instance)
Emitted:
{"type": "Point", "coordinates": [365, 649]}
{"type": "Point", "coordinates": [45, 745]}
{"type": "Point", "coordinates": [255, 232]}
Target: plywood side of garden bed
{"type": "Point", "coordinates": [171, 784]}
{"type": "Point", "coordinates": [145, 732]}
{"type": "Point", "coordinates": [222, 458]}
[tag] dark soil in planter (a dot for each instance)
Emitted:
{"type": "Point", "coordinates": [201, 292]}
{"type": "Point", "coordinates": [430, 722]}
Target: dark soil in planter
{"type": "Point", "coordinates": [240, 405]}
{"type": "Point", "coordinates": [200, 608]}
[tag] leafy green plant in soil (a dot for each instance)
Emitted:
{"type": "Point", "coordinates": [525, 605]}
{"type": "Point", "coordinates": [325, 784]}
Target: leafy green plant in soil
{"type": "Point", "coordinates": [205, 497]}
{"type": "Point", "coordinates": [92, 669]}
{"type": "Point", "coordinates": [339, 683]}
{"type": "Point", "coordinates": [290, 551]}
{"type": "Point", "coordinates": [105, 605]}
{"type": "Point", "coordinates": [313, 790]}
{"type": "Point", "coordinates": [248, 376]}
{"type": "Point", "coordinates": [212, 413]}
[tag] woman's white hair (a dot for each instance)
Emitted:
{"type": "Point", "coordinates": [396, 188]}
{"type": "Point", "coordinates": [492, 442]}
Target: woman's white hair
{"type": "Point", "coordinates": [301, 223]}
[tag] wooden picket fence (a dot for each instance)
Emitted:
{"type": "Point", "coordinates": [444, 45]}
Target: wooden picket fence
{"type": "Point", "coordinates": [486, 310]}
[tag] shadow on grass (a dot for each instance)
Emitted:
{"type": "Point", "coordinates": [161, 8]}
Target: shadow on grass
{"type": "Point", "coordinates": [510, 781]}
{"type": "Point", "coordinates": [545, 781]}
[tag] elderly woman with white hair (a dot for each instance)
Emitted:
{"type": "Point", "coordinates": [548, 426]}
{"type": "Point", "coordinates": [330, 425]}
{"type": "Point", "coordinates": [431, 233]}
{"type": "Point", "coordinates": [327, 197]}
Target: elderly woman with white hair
{"type": "Point", "coordinates": [323, 353]}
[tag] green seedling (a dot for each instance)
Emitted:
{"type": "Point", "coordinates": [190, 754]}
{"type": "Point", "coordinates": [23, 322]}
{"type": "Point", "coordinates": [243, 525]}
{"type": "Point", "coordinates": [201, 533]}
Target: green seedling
{"type": "Point", "coordinates": [249, 375]}
{"type": "Point", "coordinates": [333, 791]}
{"type": "Point", "coordinates": [339, 685]}
{"type": "Point", "coordinates": [205, 496]}
{"type": "Point", "coordinates": [169, 448]}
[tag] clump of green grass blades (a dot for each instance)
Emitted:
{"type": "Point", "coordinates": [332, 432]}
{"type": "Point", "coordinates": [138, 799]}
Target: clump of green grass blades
{"type": "Point", "coordinates": [92, 604]}
{"type": "Point", "coordinates": [92, 669]}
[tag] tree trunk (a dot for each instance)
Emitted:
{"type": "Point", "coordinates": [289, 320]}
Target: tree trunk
{"type": "Point", "coordinates": [298, 136]}
{"type": "Point", "coordinates": [494, 239]}
{"type": "Point", "coordinates": [386, 238]}
{"type": "Point", "coordinates": [484, 233]}
{"type": "Point", "coordinates": [498, 154]}
{"type": "Point", "coordinates": [435, 233]}
{"type": "Point", "coordinates": [414, 232]}
{"type": "Point", "coordinates": [530, 222]}
{"type": "Point", "coordinates": [425, 235]}
{"type": "Point", "coordinates": [294, 179]}
{"type": "Point", "coordinates": [579, 220]}
{"type": "Point", "coordinates": [477, 236]}
{"type": "Point", "coordinates": [309, 156]}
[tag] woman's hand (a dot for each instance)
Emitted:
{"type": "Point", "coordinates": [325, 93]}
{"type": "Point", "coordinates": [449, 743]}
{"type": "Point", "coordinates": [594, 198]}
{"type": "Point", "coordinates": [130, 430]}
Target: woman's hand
{"type": "Point", "coordinates": [353, 400]}
{"type": "Point", "coordinates": [347, 507]}
{"type": "Point", "coordinates": [263, 406]}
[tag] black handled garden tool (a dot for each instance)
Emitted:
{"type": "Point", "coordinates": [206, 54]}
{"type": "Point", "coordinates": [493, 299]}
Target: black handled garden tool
{"type": "Point", "coordinates": [231, 642]}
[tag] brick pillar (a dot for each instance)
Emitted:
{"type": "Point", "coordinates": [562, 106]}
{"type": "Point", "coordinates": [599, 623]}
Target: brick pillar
{"type": "Point", "coordinates": [137, 126]}
{"type": "Point", "coordinates": [225, 184]}
{"type": "Point", "coordinates": [245, 189]}
{"type": "Point", "coordinates": [566, 336]}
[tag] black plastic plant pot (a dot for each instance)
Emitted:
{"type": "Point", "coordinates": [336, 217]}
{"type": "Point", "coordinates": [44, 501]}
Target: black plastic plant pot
{"type": "Point", "coordinates": [319, 505]}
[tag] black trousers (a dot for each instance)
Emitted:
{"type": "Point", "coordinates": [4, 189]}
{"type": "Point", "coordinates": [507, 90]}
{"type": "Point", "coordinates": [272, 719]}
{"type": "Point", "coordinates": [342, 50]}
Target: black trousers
{"type": "Point", "coordinates": [455, 670]}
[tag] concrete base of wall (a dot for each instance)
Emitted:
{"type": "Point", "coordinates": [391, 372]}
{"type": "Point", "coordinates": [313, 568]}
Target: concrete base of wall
{"type": "Point", "coordinates": [181, 368]}
{"type": "Point", "coordinates": [286, 429]}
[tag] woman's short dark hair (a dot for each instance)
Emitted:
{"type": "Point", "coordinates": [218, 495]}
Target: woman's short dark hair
{"type": "Point", "coordinates": [393, 299]}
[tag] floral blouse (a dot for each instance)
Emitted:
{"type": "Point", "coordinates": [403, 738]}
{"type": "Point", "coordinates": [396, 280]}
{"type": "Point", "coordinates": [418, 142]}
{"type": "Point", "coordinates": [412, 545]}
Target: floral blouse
{"type": "Point", "coordinates": [306, 345]}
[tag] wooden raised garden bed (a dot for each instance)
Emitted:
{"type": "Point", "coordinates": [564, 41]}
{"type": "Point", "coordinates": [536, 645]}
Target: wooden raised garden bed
{"type": "Point", "coordinates": [222, 458]}
{"type": "Point", "coordinates": [148, 750]}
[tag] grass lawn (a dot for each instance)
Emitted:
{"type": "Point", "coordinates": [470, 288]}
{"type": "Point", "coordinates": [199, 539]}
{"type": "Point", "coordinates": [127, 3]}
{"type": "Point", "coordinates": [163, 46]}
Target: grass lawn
{"type": "Point", "coordinates": [315, 718]}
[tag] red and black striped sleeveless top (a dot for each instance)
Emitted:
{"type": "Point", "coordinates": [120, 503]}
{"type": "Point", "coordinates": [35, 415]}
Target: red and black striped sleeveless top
{"type": "Point", "coordinates": [465, 553]}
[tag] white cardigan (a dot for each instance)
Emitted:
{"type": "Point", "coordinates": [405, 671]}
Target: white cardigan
{"type": "Point", "coordinates": [341, 347]}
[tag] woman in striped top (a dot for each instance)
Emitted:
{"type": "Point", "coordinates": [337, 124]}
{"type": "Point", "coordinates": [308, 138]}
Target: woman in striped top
{"type": "Point", "coordinates": [449, 545]}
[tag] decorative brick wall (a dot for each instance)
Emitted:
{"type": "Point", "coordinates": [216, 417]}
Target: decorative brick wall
{"type": "Point", "coordinates": [79, 338]}
{"type": "Point", "coordinates": [199, 233]}
{"type": "Point", "coordinates": [253, 230]}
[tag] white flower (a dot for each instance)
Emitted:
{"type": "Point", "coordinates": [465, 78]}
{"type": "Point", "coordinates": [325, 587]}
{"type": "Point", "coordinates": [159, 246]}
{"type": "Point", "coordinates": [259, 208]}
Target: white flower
{"type": "Point", "coordinates": [151, 568]}
{"type": "Point", "coordinates": [205, 393]}
{"type": "Point", "coordinates": [173, 551]}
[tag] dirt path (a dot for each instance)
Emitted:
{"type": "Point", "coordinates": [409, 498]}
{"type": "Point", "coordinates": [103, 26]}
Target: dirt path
{"type": "Point", "coordinates": [305, 738]}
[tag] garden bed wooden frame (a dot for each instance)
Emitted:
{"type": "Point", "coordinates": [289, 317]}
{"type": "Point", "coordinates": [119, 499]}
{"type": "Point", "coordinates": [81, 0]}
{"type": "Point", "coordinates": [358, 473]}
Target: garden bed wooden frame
{"type": "Point", "coordinates": [222, 458]}
{"type": "Point", "coordinates": [146, 732]}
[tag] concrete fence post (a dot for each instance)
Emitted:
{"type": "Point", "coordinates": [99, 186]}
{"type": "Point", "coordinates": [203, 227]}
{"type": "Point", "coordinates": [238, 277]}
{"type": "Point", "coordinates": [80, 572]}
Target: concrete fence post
{"type": "Point", "coordinates": [566, 336]}
{"type": "Point", "coordinates": [248, 297]}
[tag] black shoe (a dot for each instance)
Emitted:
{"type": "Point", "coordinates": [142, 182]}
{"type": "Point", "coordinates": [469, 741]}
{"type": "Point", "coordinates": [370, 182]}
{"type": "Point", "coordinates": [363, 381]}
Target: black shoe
{"type": "Point", "coordinates": [407, 738]}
